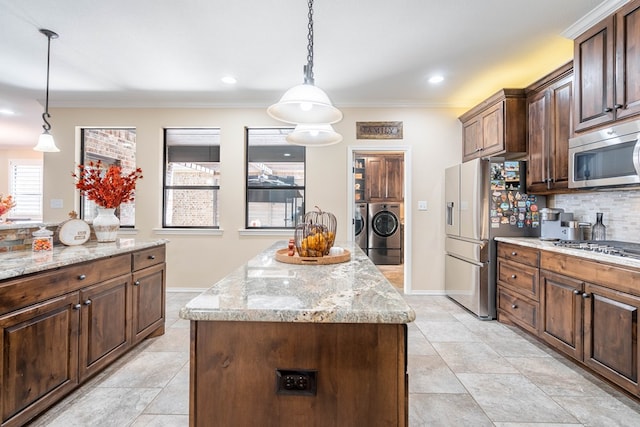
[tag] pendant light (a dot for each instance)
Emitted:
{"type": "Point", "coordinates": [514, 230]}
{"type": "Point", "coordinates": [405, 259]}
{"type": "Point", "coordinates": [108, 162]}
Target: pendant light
{"type": "Point", "coordinates": [306, 103]}
{"type": "Point", "coordinates": [46, 142]}
{"type": "Point", "coordinates": [314, 135]}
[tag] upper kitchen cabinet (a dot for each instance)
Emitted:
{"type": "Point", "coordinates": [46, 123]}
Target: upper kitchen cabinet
{"type": "Point", "coordinates": [384, 178]}
{"type": "Point", "coordinates": [549, 127]}
{"type": "Point", "coordinates": [607, 70]}
{"type": "Point", "coordinates": [496, 126]}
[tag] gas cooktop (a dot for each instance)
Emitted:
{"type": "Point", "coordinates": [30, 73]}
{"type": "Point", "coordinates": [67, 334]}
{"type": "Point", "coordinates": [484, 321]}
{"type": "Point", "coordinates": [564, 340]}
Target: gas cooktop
{"type": "Point", "coordinates": [609, 247]}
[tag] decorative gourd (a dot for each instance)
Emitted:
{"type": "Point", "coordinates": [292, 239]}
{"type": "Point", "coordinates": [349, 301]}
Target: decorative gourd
{"type": "Point", "coordinates": [316, 235]}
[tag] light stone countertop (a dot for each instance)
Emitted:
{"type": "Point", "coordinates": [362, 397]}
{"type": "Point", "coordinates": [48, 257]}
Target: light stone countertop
{"type": "Point", "coordinates": [266, 290]}
{"type": "Point", "coordinates": [18, 263]}
{"type": "Point", "coordinates": [534, 242]}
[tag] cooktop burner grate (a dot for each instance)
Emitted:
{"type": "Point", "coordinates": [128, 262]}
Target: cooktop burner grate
{"type": "Point", "coordinates": [609, 247]}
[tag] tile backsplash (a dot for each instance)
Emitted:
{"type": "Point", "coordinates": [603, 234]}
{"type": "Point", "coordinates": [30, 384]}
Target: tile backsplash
{"type": "Point", "coordinates": [621, 211]}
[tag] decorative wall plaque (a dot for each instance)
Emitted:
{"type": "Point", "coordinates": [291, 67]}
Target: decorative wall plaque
{"type": "Point", "coordinates": [379, 130]}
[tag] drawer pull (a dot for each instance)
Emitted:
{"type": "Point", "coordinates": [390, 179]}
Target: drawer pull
{"type": "Point", "coordinates": [514, 253]}
{"type": "Point", "coordinates": [513, 276]}
{"type": "Point", "coordinates": [77, 307]}
{"type": "Point", "coordinates": [87, 302]}
{"type": "Point", "coordinates": [82, 277]}
{"type": "Point", "coordinates": [585, 295]}
{"type": "Point", "coordinates": [136, 283]}
{"type": "Point", "coordinates": [577, 291]}
{"type": "Point", "coordinates": [152, 257]}
{"type": "Point", "coordinates": [514, 306]}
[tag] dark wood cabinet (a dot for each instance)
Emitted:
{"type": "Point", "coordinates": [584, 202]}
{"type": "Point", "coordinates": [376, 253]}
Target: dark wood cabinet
{"type": "Point", "coordinates": [61, 327]}
{"type": "Point", "coordinates": [359, 180]}
{"type": "Point", "coordinates": [495, 126]}
{"type": "Point", "coordinates": [611, 345]}
{"type": "Point", "coordinates": [384, 178]}
{"type": "Point", "coordinates": [607, 70]}
{"type": "Point", "coordinates": [39, 349]}
{"type": "Point", "coordinates": [549, 127]}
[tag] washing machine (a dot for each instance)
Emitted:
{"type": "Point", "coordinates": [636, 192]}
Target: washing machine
{"type": "Point", "coordinates": [385, 233]}
{"type": "Point", "coordinates": [360, 226]}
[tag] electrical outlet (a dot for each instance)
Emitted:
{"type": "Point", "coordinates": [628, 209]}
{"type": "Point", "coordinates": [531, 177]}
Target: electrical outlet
{"type": "Point", "coordinates": [296, 381]}
{"type": "Point", "coordinates": [422, 205]}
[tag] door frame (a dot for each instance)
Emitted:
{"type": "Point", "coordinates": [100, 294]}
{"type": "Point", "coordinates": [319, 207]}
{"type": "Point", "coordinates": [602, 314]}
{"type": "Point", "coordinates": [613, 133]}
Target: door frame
{"type": "Point", "coordinates": [406, 237]}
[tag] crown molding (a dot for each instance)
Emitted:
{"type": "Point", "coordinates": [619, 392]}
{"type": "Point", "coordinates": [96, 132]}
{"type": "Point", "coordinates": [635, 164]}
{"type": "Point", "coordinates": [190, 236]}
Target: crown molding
{"type": "Point", "coordinates": [604, 9]}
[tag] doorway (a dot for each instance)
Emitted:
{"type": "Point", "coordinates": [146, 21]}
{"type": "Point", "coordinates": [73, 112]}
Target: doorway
{"type": "Point", "coordinates": [387, 191]}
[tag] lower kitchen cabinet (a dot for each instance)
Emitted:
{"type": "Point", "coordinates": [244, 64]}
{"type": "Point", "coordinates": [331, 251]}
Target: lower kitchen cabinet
{"type": "Point", "coordinates": [588, 311]}
{"type": "Point", "coordinates": [62, 326]}
{"type": "Point", "coordinates": [611, 345]}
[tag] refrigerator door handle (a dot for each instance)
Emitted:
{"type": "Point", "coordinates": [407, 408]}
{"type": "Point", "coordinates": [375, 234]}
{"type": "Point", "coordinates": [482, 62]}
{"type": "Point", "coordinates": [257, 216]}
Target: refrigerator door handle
{"type": "Point", "coordinates": [449, 218]}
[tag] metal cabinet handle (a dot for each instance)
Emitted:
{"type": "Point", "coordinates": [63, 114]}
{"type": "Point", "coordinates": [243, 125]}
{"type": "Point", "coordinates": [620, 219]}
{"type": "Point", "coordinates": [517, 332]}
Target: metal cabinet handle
{"type": "Point", "coordinates": [77, 307]}
{"type": "Point", "coordinates": [82, 277]}
{"type": "Point", "coordinates": [136, 283]}
{"type": "Point", "coordinates": [514, 253]}
{"type": "Point", "coordinates": [585, 295]}
{"type": "Point", "coordinates": [618, 106]}
{"type": "Point", "coordinates": [152, 257]}
{"type": "Point", "coordinates": [608, 109]}
{"type": "Point", "coordinates": [577, 291]}
{"type": "Point", "coordinates": [513, 276]}
{"type": "Point", "coordinates": [87, 302]}
{"type": "Point", "coordinates": [514, 306]}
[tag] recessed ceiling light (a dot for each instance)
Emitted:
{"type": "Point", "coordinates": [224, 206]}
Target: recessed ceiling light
{"type": "Point", "coordinates": [7, 112]}
{"type": "Point", "coordinates": [230, 80]}
{"type": "Point", "coordinates": [436, 79]}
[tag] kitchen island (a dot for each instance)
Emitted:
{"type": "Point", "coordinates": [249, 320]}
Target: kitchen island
{"type": "Point", "coordinates": [284, 344]}
{"type": "Point", "coordinates": [66, 314]}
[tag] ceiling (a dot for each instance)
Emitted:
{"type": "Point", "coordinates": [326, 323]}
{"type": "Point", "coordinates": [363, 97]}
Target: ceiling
{"type": "Point", "coordinates": [149, 53]}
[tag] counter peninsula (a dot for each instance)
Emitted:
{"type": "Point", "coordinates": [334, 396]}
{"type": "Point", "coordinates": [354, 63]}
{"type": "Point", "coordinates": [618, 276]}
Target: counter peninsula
{"type": "Point", "coordinates": [284, 344]}
{"type": "Point", "coordinates": [68, 313]}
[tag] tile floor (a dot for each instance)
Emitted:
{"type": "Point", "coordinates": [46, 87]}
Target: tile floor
{"type": "Point", "coordinates": [462, 372]}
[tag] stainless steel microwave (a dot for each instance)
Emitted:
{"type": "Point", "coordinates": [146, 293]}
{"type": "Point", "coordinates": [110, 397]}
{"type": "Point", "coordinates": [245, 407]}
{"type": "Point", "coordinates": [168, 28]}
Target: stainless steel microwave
{"type": "Point", "coordinates": [606, 157]}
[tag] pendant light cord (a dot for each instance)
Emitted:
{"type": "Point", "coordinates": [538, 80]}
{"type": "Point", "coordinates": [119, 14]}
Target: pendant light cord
{"type": "Point", "coordinates": [308, 69]}
{"type": "Point", "coordinates": [47, 126]}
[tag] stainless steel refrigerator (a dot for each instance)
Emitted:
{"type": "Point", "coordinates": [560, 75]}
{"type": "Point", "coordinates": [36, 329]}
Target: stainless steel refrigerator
{"type": "Point", "coordinates": [483, 199]}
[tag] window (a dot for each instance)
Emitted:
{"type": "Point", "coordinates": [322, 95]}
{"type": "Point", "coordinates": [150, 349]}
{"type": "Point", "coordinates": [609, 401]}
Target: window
{"type": "Point", "coordinates": [191, 178]}
{"type": "Point", "coordinates": [112, 147]}
{"type": "Point", "coordinates": [25, 185]}
{"type": "Point", "coordinates": [275, 179]}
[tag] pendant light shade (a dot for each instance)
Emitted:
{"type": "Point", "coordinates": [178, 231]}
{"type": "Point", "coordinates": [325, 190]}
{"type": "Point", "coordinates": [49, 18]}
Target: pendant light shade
{"type": "Point", "coordinates": [306, 103]}
{"type": "Point", "coordinates": [46, 142]}
{"type": "Point", "coordinates": [314, 135]}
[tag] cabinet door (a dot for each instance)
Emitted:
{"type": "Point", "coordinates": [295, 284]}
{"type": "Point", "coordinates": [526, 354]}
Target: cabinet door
{"type": "Point", "coordinates": [493, 129]}
{"type": "Point", "coordinates": [538, 141]}
{"type": "Point", "coordinates": [471, 139]}
{"type": "Point", "coordinates": [628, 60]}
{"type": "Point", "coordinates": [106, 332]}
{"type": "Point", "coordinates": [148, 302]}
{"type": "Point", "coordinates": [376, 183]}
{"type": "Point", "coordinates": [561, 131]}
{"type": "Point", "coordinates": [39, 348]}
{"type": "Point", "coordinates": [394, 176]}
{"type": "Point", "coordinates": [561, 307]}
{"type": "Point", "coordinates": [611, 335]}
{"type": "Point", "coordinates": [594, 79]}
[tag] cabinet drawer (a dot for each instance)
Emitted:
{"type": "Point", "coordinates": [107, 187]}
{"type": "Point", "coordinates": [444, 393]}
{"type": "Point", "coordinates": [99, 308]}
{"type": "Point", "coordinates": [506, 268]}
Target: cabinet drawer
{"type": "Point", "coordinates": [519, 278]}
{"type": "Point", "coordinates": [148, 257]}
{"type": "Point", "coordinates": [521, 254]}
{"type": "Point", "coordinates": [29, 290]}
{"type": "Point", "coordinates": [518, 309]}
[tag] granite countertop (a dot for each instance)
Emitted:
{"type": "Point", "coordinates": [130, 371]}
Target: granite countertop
{"type": "Point", "coordinates": [18, 263]}
{"type": "Point", "coordinates": [534, 242]}
{"type": "Point", "coordinates": [266, 290]}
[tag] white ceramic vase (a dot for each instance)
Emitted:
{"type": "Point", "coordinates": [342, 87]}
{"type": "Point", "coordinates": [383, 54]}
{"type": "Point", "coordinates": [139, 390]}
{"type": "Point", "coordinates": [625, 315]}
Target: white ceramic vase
{"type": "Point", "coordinates": [106, 225]}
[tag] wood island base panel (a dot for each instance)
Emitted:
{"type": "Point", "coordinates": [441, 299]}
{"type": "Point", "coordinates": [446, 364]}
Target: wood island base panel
{"type": "Point", "coordinates": [277, 344]}
{"type": "Point", "coordinates": [65, 318]}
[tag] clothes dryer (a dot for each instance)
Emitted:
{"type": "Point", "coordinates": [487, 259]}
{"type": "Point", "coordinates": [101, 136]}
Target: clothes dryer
{"type": "Point", "coordinates": [385, 233]}
{"type": "Point", "coordinates": [361, 221]}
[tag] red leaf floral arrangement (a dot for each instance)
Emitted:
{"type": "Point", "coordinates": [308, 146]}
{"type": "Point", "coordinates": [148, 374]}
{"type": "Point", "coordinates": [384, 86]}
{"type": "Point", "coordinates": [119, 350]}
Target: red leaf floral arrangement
{"type": "Point", "coordinates": [107, 189]}
{"type": "Point", "coordinates": [6, 203]}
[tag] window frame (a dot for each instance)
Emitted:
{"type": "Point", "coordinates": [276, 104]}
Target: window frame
{"type": "Point", "coordinates": [165, 187]}
{"type": "Point", "coordinates": [13, 165]}
{"type": "Point", "coordinates": [247, 187]}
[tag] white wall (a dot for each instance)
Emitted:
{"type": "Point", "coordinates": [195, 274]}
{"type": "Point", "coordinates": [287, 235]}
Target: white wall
{"type": "Point", "coordinates": [13, 154]}
{"type": "Point", "coordinates": [198, 261]}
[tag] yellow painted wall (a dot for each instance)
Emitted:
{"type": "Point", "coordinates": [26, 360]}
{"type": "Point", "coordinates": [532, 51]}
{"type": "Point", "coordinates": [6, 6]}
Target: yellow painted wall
{"type": "Point", "coordinates": [198, 261]}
